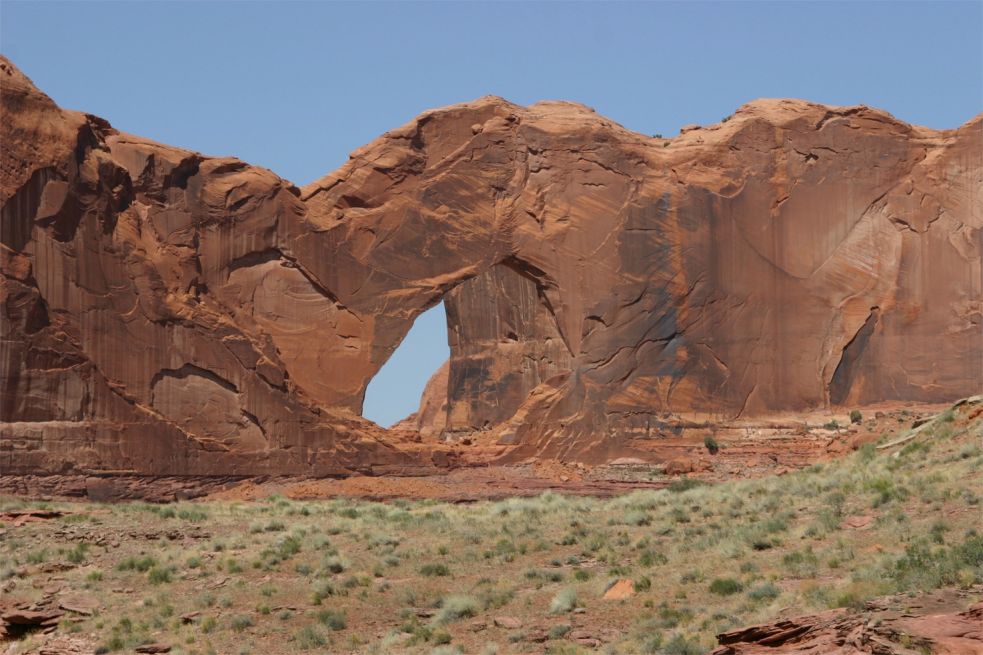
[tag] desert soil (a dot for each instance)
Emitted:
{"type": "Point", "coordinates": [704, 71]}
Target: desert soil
{"type": "Point", "coordinates": [304, 566]}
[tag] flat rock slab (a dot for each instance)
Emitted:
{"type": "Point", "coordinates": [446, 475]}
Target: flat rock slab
{"type": "Point", "coordinates": [508, 622]}
{"type": "Point", "coordinates": [621, 589]}
{"type": "Point", "coordinates": [858, 522]}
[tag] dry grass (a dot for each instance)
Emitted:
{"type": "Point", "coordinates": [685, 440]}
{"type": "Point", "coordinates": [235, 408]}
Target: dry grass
{"type": "Point", "coordinates": [419, 577]}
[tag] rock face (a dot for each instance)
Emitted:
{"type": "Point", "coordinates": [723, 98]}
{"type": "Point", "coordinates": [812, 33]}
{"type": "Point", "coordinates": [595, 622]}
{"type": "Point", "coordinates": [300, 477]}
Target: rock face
{"type": "Point", "coordinates": [171, 313]}
{"type": "Point", "coordinates": [152, 323]}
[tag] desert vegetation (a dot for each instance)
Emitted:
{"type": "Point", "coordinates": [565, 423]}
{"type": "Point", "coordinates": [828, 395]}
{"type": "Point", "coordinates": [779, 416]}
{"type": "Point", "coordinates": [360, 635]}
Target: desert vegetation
{"type": "Point", "coordinates": [518, 575]}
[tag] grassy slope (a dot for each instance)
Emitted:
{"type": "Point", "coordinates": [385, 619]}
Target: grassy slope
{"type": "Point", "coordinates": [348, 576]}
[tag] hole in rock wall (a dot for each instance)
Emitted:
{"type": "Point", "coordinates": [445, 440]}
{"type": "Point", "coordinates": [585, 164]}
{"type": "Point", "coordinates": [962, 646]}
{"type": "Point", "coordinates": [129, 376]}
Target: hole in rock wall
{"type": "Point", "coordinates": [394, 393]}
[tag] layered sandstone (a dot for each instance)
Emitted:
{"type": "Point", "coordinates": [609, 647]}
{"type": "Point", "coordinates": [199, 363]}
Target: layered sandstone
{"type": "Point", "coordinates": [167, 312]}
{"type": "Point", "coordinates": [935, 622]}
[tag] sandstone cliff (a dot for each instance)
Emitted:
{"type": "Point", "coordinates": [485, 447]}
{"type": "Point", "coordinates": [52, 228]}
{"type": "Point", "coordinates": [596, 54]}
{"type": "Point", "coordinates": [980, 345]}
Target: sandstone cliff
{"type": "Point", "coordinates": [169, 312]}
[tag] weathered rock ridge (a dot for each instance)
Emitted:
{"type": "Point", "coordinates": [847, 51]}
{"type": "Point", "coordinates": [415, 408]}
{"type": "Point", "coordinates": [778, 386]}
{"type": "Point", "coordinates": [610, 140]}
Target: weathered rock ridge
{"type": "Point", "coordinates": [167, 312]}
{"type": "Point", "coordinates": [935, 622]}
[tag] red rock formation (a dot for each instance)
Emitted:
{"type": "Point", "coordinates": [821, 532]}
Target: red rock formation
{"type": "Point", "coordinates": [430, 420]}
{"type": "Point", "coordinates": [937, 622]}
{"type": "Point", "coordinates": [151, 324]}
{"type": "Point", "coordinates": [167, 312]}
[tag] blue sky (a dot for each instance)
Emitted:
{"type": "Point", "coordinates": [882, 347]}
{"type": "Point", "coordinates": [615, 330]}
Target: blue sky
{"type": "Point", "coordinates": [296, 86]}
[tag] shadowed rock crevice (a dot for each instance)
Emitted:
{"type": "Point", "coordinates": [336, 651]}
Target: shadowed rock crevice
{"type": "Point", "coordinates": [19, 212]}
{"type": "Point", "coordinates": [189, 370]}
{"type": "Point", "coordinates": [849, 365]}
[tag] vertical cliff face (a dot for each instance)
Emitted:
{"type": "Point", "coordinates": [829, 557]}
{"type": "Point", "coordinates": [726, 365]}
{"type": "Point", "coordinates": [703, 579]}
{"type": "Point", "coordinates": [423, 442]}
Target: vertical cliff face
{"type": "Point", "coordinates": [151, 321]}
{"type": "Point", "coordinates": [165, 311]}
{"type": "Point", "coordinates": [790, 258]}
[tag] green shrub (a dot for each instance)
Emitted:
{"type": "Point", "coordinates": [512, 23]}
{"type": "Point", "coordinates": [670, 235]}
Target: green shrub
{"type": "Point", "coordinates": [334, 564]}
{"type": "Point", "coordinates": [711, 445]}
{"type": "Point", "coordinates": [924, 567]}
{"type": "Point", "coordinates": [855, 416]}
{"type": "Point", "coordinates": [308, 637]}
{"type": "Point", "coordinates": [937, 532]}
{"type": "Point", "coordinates": [852, 599]}
{"type": "Point", "coordinates": [494, 598]}
{"type": "Point", "coordinates": [288, 547]}
{"type": "Point", "coordinates": [433, 570]}
{"type": "Point", "coordinates": [323, 589]}
{"type": "Point", "coordinates": [115, 643]}
{"type": "Point", "coordinates": [652, 558]}
{"type": "Point", "coordinates": [159, 575]}
{"type": "Point", "coordinates": [241, 622]}
{"type": "Point", "coordinates": [547, 575]}
{"type": "Point", "coordinates": [559, 631]}
{"type": "Point", "coordinates": [418, 631]}
{"type": "Point", "coordinates": [801, 562]}
{"type": "Point", "coordinates": [764, 592]}
{"type": "Point", "coordinates": [969, 450]}
{"type": "Point", "coordinates": [915, 447]}
{"type": "Point", "coordinates": [651, 644]}
{"type": "Point", "coordinates": [141, 564]}
{"type": "Point", "coordinates": [193, 515]}
{"type": "Point", "coordinates": [37, 556]}
{"type": "Point", "coordinates": [77, 554]}
{"type": "Point", "coordinates": [726, 586]}
{"type": "Point", "coordinates": [680, 645]}
{"type": "Point", "coordinates": [684, 484]}
{"type": "Point", "coordinates": [334, 619]}
{"type": "Point", "coordinates": [885, 490]}
{"type": "Point", "coordinates": [455, 607]}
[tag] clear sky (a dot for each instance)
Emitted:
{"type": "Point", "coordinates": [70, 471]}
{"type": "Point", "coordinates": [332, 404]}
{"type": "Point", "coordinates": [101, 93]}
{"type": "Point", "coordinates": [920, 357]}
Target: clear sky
{"type": "Point", "coordinates": [296, 86]}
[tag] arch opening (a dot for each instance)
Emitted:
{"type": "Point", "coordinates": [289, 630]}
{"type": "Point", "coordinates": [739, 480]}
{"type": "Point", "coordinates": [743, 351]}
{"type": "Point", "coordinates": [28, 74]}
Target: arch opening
{"type": "Point", "coordinates": [395, 391]}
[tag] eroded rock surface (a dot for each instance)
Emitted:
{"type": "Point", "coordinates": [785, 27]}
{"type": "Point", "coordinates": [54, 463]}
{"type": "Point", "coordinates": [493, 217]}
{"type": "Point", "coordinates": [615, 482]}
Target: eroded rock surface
{"type": "Point", "coordinates": [171, 313]}
{"type": "Point", "coordinates": [936, 622]}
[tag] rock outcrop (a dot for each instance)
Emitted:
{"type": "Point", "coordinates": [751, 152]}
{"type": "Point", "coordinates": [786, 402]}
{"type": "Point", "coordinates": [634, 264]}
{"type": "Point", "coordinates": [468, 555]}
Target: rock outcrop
{"type": "Point", "coordinates": [935, 622]}
{"type": "Point", "coordinates": [167, 312]}
{"type": "Point", "coordinates": [430, 420]}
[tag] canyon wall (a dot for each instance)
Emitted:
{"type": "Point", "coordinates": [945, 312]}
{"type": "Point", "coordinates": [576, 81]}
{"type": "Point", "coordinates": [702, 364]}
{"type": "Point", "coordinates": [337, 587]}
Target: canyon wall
{"type": "Point", "coordinates": [168, 312]}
